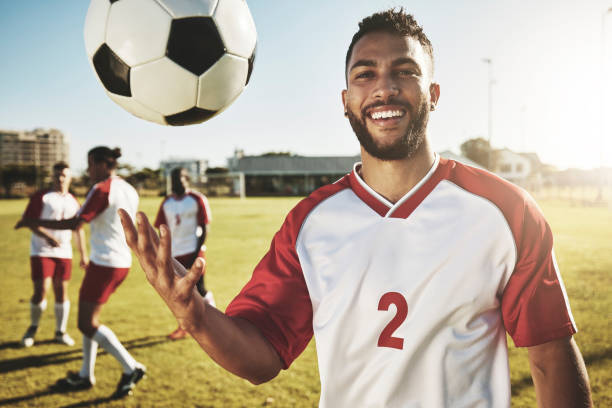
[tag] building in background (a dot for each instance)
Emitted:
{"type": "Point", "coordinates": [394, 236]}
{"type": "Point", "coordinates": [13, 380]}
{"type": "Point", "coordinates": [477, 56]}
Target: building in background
{"type": "Point", "coordinates": [39, 147]}
{"type": "Point", "coordinates": [523, 169]}
{"type": "Point", "coordinates": [288, 174]}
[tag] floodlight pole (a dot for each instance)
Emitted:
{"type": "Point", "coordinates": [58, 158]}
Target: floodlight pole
{"type": "Point", "coordinates": [489, 63]}
{"type": "Point", "coordinates": [602, 103]}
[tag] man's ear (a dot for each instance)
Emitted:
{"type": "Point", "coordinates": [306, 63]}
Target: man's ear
{"type": "Point", "coordinates": [434, 94]}
{"type": "Point", "coordinates": [344, 102]}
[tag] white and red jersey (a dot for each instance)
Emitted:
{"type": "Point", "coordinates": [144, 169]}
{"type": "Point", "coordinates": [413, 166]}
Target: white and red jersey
{"type": "Point", "coordinates": [52, 205]}
{"type": "Point", "coordinates": [108, 245]}
{"type": "Point", "coordinates": [184, 215]}
{"type": "Point", "coordinates": [410, 302]}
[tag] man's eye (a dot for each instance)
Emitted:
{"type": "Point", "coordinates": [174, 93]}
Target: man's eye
{"type": "Point", "coordinates": [366, 74]}
{"type": "Point", "coordinates": [406, 72]}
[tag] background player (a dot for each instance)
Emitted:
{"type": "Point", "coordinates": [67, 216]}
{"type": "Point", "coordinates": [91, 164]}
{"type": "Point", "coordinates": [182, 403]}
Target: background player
{"type": "Point", "coordinates": [409, 271]}
{"type": "Point", "coordinates": [51, 254]}
{"type": "Point", "coordinates": [109, 264]}
{"type": "Point", "coordinates": [187, 214]}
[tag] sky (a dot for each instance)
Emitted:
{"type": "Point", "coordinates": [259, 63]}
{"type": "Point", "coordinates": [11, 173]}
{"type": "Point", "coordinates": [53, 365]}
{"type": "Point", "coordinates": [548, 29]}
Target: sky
{"type": "Point", "coordinates": [551, 67]}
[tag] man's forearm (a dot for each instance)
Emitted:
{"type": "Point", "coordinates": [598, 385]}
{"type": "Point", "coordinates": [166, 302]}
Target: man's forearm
{"type": "Point", "coordinates": [559, 375]}
{"type": "Point", "coordinates": [81, 245]}
{"type": "Point", "coordinates": [69, 223]}
{"type": "Point", "coordinates": [234, 343]}
{"type": "Point", "coordinates": [41, 232]}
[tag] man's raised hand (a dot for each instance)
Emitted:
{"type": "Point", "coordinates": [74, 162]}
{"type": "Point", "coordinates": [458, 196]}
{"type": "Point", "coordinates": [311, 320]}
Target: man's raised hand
{"type": "Point", "coordinates": [175, 285]}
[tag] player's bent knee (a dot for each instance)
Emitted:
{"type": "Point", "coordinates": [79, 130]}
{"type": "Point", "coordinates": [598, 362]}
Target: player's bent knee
{"type": "Point", "coordinates": [87, 328]}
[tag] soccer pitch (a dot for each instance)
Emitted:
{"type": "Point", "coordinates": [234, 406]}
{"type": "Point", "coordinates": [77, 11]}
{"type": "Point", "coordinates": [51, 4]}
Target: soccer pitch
{"type": "Point", "coordinates": [180, 374]}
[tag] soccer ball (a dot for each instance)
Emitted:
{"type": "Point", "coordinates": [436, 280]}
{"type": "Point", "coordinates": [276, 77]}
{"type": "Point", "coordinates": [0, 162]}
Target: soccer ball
{"type": "Point", "coordinates": [173, 62]}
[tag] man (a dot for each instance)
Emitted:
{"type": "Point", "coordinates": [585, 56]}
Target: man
{"type": "Point", "coordinates": [187, 214]}
{"type": "Point", "coordinates": [409, 271]}
{"type": "Point", "coordinates": [51, 254]}
{"type": "Point", "coordinates": [110, 263]}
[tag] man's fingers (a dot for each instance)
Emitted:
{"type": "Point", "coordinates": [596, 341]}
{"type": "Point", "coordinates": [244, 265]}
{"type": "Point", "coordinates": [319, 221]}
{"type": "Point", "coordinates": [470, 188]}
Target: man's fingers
{"type": "Point", "coordinates": [144, 234]}
{"type": "Point", "coordinates": [179, 269]}
{"type": "Point", "coordinates": [153, 235]}
{"type": "Point", "coordinates": [195, 272]}
{"type": "Point", "coordinates": [131, 235]}
{"type": "Point", "coordinates": [165, 267]}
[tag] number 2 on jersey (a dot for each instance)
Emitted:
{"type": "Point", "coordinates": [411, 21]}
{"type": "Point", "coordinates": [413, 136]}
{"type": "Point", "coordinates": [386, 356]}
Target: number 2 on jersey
{"type": "Point", "coordinates": [386, 338]}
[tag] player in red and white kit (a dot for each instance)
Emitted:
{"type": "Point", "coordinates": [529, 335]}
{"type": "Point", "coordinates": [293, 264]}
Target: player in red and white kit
{"type": "Point", "coordinates": [110, 260]}
{"type": "Point", "coordinates": [409, 271]}
{"type": "Point", "coordinates": [187, 214]}
{"type": "Point", "coordinates": [51, 254]}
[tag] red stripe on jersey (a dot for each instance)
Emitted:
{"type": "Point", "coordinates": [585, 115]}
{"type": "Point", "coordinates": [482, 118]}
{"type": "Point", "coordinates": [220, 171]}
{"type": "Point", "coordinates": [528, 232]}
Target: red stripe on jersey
{"type": "Point", "coordinates": [160, 218]}
{"type": "Point", "coordinates": [35, 205]}
{"type": "Point", "coordinates": [276, 299]}
{"type": "Point", "coordinates": [534, 306]}
{"type": "Point", "coordinates": [366, 196]}
{"type": "Point", "coordinates": [96, 200]}
{"type": "Point", "coordinates": [406, 208]}
{"type": "Point", "coordinates": [202, 213]}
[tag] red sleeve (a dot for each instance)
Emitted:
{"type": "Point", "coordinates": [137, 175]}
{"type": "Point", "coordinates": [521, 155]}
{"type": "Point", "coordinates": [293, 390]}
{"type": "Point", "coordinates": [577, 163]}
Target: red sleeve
{"type": "Point", "coordinates": [96, 201]}
{"type": "Point", "coordinates": [534, 304]}
{"type": "Point", "coordinates": [204, 216]}
{"type": "Point", "coordinates": [276, 299]}
{"type": "Point", "coordinates": [35, 205]}
{"type": "Point", "coordinates": [160, 218]}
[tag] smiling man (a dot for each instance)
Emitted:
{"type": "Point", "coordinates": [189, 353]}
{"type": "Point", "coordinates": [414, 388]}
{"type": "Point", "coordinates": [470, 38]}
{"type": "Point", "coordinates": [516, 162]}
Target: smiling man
{"type": "Point", "coordinates": [409, 271]}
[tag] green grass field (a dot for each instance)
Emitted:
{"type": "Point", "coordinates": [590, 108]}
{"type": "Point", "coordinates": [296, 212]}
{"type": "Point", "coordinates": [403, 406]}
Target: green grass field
{"type": "Point", "coordinates": [180, 374]}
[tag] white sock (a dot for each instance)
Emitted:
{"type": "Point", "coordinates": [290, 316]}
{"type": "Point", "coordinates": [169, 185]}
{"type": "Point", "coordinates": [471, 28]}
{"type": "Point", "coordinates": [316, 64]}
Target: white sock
{"type": "Point", "coordinates": [61, 316]}
{"type": "Point", "coordinates": [113, 346]}
{"type": "Point", "coordinates": [90, 351]}
{"type": "Point", "coordinates": [36, 310]}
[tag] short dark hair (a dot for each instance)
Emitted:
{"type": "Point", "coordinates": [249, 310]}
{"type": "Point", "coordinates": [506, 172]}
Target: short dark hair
{"type": "Point", "coordinates": [105, 154]}
{"type": "Point", "coordinates": [394, 21]}
{"type": "Point", "coordinates": [59, 166]}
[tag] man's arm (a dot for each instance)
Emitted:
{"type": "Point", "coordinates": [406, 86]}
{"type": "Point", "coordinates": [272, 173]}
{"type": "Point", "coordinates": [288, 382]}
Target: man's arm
{"type": "Point", "coordinates": [234, 343]}
{"type": "Point", "coordinates": [81, 245]}
{"type": "Point", "coordinates": [44, 234]}
{"type": "Point", "coordinates": [68, 223]}
{"type": "Point", "coordinates": [559, 374]}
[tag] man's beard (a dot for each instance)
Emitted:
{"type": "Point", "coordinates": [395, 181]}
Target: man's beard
{"type": "Point", "coordinates": [179, 189]}
{"type": "Point", "coordinates": [403, 148]}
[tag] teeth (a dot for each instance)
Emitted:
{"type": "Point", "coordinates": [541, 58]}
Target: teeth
{"type": "Point", "coordinates": [387, 114]}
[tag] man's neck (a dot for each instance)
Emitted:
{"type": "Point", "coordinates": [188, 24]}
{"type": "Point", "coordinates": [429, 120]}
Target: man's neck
{"type": "Point", "coordinates": [394, 178]}
{"type": "Point", "coordinates": [59, 189]}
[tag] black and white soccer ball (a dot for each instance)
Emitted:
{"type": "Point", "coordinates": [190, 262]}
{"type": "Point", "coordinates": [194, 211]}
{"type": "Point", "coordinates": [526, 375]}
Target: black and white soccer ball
{"type": "Point", "coordinates": [173, 62]}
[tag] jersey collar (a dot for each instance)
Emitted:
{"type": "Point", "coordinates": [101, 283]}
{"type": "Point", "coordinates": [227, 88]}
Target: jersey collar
{"type": "Point", "coordinates": [409, 202]}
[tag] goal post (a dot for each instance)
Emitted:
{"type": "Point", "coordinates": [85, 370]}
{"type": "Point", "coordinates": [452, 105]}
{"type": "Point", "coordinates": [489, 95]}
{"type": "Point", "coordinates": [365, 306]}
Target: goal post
{"type": "Point", "coordinates": [223, 185]}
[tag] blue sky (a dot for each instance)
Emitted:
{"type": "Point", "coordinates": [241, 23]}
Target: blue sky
{"type": "Point", "coordinates": [546, 56]}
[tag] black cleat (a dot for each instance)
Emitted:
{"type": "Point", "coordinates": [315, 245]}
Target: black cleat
{"type": "Point", "coordinates": [73, 382]}
{"type": "Point", "coordinates": [128, 382]}
{"type": "Point", "coordinates": [28, 338]}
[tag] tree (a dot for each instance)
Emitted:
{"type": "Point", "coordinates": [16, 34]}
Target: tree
{"type": "Point", "coordinates": [145, 178]}
{"type": "Point", "coordinates": [14, 173]}
{"type": "Point", "coordinates": [479, 150]}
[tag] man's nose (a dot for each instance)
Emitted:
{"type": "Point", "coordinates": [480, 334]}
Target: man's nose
{"type": "Point", "coordinates": [386, 86]}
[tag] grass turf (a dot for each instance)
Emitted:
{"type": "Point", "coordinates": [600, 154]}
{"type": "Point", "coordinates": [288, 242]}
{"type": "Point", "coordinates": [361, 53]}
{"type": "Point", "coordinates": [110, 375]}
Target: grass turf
{"type": "Point", "coordinates": [179, 373]}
